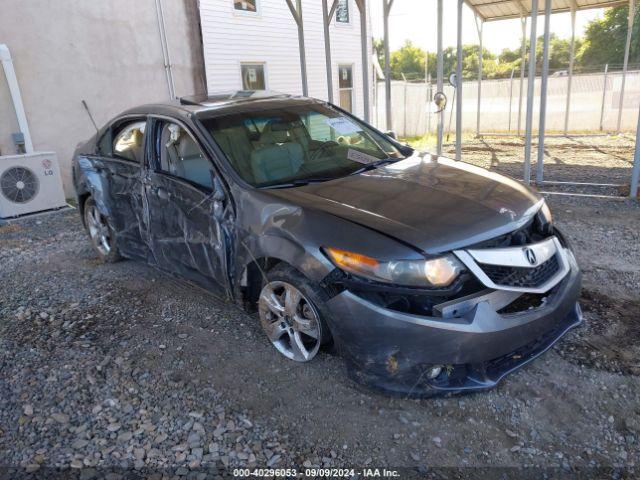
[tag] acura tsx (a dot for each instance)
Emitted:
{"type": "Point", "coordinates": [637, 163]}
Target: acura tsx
{"type": "Point", "coordinates": [425, 274]}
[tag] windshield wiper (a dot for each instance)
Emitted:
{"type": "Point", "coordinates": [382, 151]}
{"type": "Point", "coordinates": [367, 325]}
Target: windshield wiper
{"type": "Point", "coordinates": [300, 182]}
{"type": "Point", "coordinates": [374, 165]}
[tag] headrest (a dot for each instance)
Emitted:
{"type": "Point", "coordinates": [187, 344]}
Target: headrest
{"type": "Point", "coordinates": [275, 133]}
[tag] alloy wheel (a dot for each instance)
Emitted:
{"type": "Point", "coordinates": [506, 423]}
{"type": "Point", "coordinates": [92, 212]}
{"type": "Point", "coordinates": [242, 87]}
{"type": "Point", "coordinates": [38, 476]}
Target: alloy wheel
{"type": "Point", "coordinates": [290, 321]}
{"type": "Point", "coordinates": [98, 230]}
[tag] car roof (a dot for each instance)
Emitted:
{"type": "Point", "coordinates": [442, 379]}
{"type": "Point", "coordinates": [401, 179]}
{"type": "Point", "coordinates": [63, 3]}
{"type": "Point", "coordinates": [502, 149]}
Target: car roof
{"type": "Point", "coordinates": [207, 106]}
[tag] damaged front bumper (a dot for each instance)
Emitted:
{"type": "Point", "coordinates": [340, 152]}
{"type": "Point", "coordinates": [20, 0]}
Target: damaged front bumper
{"type": "Point", "coordinates": [394, 352]}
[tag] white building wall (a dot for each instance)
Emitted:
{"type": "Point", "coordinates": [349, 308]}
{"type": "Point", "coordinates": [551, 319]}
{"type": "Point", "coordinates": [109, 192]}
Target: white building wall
{"type": "Point", "coordinates": [271, 37]}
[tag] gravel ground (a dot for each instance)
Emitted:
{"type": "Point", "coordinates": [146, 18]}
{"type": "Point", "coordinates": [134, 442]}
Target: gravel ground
{"type": "Point", "coordinates": [120, 367]}
{"type": "Point", "coordinates": [596, 159]}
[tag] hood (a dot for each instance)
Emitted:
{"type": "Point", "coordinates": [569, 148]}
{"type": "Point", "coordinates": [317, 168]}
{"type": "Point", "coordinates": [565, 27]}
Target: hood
{"type": "Point", "coordinates": [432, 203]}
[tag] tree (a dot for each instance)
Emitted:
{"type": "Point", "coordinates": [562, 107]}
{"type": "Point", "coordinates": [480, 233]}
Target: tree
{"type": "Point", "coordinates": [559, 52]}
{"type": "Point", "coordinates": [604, 42]}
{"type": "Point", "coordinates": [509, 56]}
{"type": "Point", "coordinates": [409, 60]}
{"type": "Point", "coordinates": [604, 39]}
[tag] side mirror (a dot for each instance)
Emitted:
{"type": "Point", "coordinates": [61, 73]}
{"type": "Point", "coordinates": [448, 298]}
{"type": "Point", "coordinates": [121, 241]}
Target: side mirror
{"type": "Point", "coordinates": [440, 99]}
{"type": "Point", "coordinates": [219, 194]}
{"type": "Point", "coordinates": [391, 134]}
{"type": "Point", "coordinates": [453, 80]}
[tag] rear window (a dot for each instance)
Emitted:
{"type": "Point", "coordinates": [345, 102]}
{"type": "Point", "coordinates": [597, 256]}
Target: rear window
{"type": "Point", "coordinates": [129, 142]}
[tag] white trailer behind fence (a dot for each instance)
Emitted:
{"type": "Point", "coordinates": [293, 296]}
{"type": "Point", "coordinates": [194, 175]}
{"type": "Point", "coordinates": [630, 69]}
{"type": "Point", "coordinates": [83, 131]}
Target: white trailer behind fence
{"type": "Point", "coordinates": [594, 105]}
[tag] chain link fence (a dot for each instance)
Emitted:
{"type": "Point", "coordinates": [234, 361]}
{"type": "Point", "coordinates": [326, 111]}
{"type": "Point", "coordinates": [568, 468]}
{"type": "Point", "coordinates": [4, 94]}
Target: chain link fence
{"type": "Point", "coordinates": [594, 105]}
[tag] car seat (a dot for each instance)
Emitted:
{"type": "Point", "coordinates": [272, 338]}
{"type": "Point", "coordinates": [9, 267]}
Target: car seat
{"type": "Point", "coordinates": [183, 157]}
{"type": "Point", "coordinates": [278, 157]}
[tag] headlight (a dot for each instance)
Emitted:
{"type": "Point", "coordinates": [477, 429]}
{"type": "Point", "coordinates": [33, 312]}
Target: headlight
{"type": "Point", "coordinates": [546, 213]}
{"type": "Point", "coordinates": [437, 272]}
{"type": "Point", "coordinates": [544, 219]}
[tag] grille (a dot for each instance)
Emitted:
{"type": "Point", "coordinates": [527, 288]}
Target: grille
{"type": "Point", "coordinates": [19, 184]}
{"type": "Point", "coordinates": [521, 276]}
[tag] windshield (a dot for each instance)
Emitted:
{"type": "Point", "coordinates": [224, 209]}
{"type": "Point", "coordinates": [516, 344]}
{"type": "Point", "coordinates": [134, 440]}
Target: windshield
{"type": "Point", "coordinates": [297, 144]}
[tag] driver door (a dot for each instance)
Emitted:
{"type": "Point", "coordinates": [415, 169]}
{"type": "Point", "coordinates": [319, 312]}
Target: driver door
{"type": "Point", "coordinates": [183, 233]}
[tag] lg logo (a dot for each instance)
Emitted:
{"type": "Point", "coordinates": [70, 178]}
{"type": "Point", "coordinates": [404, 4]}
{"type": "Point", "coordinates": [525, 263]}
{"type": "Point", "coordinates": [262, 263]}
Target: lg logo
{"type": "Point", "coordinates": [46, 165]}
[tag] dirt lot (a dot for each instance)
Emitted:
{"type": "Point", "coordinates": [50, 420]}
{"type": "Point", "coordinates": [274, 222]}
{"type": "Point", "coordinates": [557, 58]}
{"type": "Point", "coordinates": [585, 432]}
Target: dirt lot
{"type": "Point", "coordinates": [122, 366]}
{"type": "Point", "coordinates": [595, 159]}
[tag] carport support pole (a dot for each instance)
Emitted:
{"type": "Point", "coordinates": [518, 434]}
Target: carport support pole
{"type": "Point", "coordinates": [440, 79]}
{"type": "Point", "coordinates": [480, 28]}
{"type": "Point", "coordinates": [386, 7]}
{"type": "Point", "coordinates": [459, 86]}
{"type": "Point", "coordinates": [362, 6]}
{"type": "Point", "coordinates": [326, 20]}
{"type": "Point", "coordinates": [297, 16]}
{"type": "Point", "coordinates": [543, 92]}
{"type": "Point", "coordinates": [604, 96]}
{"type": "Point", "coordinates": [523, 60]}
{"type": "Point", "coordinates": [632, 9]}
{"type": "Point", "coordinates": [530, 93]}
{"type": "Point", "coordinates": [572, 57]}
{"type": "Point", "coordinates": [635, 173]}
{"type": "Point", "coordinates": [513, 71]}
{"type": "Point", "coordinates": [427, 81]}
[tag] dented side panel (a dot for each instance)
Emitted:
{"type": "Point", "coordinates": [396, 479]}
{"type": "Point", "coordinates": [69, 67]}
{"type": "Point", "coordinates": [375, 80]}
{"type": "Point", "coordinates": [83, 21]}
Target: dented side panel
{"type": "Point", "coordinates": [269, 226]}
{"type": "Point", "coordinates": [171, 224]}
{"type": "Point", "coordinates": [116, 187]}
{"type": "Point", "coordinates": [185, 236]}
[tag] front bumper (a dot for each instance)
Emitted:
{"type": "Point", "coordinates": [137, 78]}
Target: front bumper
{"type": "Point", "coordinates": [392, 351]}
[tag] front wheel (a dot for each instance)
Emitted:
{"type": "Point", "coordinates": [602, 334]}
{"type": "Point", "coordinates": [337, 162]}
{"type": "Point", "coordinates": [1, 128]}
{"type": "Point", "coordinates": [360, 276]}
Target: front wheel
{"type": "Point", "coordinates": [102, 235]}
{"type": "Point", "coordinates": [289, 314]}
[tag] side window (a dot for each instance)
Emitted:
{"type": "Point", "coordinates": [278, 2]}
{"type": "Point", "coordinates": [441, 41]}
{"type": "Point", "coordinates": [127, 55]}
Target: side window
{"type": "Point", "coordinates": [105, 144]}
{"type": "Point", "coordinates": [253, 76]}
{"type": "Point", "coordinates": [250, 6]}
{"type": "Point", "coordinates": [179, 155]}
{"type": "Point", "coordinates": [128, 143]}
{"type": "Point", "coordinates": [342, 12]}
{"type": "Point", "coordinates": [345, 84]}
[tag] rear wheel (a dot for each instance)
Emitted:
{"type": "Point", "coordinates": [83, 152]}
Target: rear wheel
{"type": "Point", "coordinates": [290, 315]}
{"type": "Point", "coordinates": [102, 235]}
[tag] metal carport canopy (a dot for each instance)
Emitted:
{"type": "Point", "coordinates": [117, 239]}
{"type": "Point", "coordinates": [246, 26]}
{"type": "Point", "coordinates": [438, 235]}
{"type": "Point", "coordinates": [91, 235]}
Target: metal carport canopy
{"type": "Point", "coordinates": [491, 10]}
{"type": "Point", "coordinates": [494, 10]}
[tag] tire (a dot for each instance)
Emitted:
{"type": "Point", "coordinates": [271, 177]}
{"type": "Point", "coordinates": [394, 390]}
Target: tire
{"type": "Point", "coordinates": [297, 329]}
{"type": "Point", "coordinates": [102, 235]}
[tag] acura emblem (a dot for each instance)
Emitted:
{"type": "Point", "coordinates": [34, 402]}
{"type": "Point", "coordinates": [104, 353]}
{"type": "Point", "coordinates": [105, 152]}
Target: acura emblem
{"type": "Point", "coordinates": [531, 256]}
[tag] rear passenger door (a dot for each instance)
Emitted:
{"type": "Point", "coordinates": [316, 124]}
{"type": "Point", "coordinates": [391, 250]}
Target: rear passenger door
{"type": "Point", "coordinates": [184, 235]}
{"type": "Point", "coordinates": [117, 167]}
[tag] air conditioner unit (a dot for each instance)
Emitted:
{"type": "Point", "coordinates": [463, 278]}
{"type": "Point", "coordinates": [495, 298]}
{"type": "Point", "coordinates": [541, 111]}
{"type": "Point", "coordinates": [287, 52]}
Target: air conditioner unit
{"type": "Point", "coordinates": [30, 183]}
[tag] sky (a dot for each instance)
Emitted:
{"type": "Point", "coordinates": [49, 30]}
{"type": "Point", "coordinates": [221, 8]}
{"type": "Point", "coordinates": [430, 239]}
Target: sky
{"type": "Point", "coordinates": [415, 20]}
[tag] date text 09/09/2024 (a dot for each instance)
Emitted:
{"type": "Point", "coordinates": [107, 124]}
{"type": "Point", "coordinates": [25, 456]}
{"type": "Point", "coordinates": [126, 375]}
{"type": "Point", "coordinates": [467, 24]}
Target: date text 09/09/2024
{"type": "Point", "coordinates": [316, 472]}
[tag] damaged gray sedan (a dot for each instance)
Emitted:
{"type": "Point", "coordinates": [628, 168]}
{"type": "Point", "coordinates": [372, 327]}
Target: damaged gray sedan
{"type": "Point", "coordinates": [427, 275]}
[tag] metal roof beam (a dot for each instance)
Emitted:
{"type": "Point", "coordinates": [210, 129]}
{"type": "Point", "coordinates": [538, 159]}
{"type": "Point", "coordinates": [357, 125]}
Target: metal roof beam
{"type": "Point", "coordinates": [473, 8]}
{"type": "Point", "coordinates": [523, 10]}
{"type": "Point", "coordinates": [521, 6]}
